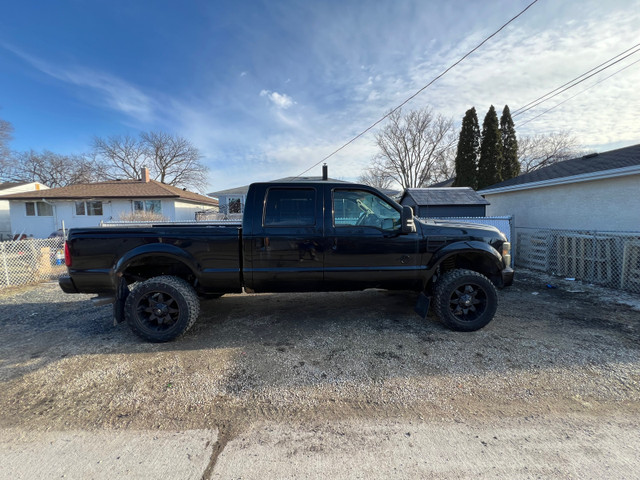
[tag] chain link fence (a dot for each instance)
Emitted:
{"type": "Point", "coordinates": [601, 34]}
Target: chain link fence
{"type": "Point", "coordinates": [610, 259]}
{"type": "Point", "coordinates": [31, 261]}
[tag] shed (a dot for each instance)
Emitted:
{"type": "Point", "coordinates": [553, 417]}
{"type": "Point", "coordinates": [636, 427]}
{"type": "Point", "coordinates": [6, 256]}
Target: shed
{"type": "Point", "coordinates": [445, 202]}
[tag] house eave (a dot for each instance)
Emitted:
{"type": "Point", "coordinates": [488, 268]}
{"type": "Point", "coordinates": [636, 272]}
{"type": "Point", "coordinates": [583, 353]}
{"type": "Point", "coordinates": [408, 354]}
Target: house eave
{"type": "Point", "coordinates": [585, 177]}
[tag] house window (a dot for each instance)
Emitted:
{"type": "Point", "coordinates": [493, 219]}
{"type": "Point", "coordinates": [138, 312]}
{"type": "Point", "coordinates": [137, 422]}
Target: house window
{"type": "Point", "coordinates": [39, 209]}
{"type": "Point", "coordinates": [150, 206]}
{"type": "Point", "coordinates": [93, 208]}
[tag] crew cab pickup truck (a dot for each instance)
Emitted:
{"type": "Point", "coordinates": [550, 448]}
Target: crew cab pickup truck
{"type": "Point", "coordinates": [300, 236]}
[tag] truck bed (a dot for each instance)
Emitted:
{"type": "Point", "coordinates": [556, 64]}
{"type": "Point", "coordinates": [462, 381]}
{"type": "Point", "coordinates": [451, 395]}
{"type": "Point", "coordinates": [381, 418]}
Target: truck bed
{"type": "Point", "coordinates": [212, 252]}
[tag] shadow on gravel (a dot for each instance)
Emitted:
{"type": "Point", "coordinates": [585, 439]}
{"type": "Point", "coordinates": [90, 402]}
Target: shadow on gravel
{"type": "Point", "coordinates": [317, 338]}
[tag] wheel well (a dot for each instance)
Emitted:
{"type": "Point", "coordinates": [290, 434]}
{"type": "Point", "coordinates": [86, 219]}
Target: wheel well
{"type": "Point", "coordinates": [148, 267]}
{"type": "Point", "coordinates": [477, 262]}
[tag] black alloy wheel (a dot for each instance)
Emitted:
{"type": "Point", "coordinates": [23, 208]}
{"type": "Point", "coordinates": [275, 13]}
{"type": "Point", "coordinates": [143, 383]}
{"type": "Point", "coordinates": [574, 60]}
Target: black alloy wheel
{"type": "Point", "coordinates": [465, 300]}
{"type": "Point", "coordinates": [468, 302]}
{"type": "Point", "coordinates": [162, 308]}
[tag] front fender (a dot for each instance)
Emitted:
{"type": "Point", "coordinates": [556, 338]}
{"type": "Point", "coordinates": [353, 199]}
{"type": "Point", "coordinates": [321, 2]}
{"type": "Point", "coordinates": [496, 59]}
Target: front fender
{"type": "Point", "coordinates": [466, 247]}
{"type": "Point", "coordinates": [155, 250]}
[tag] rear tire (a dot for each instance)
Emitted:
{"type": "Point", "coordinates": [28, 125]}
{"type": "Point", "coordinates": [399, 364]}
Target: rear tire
{"type": "Point", "coordinates": [162, 308]}
{"type": "Point", "coordinates": [465, 300]}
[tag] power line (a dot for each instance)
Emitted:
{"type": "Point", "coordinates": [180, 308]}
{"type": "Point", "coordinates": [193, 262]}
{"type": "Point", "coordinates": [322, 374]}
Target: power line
{"type": "Point", "coordinates": [580, 92]}
{"type": "Point", "coordinates": [515, 112]}
{"type": "Point", "coordinates": [419, 91]}
{"type": "Point", "coordinates": [523, 110]}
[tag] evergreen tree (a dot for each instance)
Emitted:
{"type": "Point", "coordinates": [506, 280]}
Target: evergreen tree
{"type": "Point", "coordinates": [468, 151]}
{"type": "Point", "coordinates": [490, 162]}
{"type": "Point", "coordinates": [510, 164]}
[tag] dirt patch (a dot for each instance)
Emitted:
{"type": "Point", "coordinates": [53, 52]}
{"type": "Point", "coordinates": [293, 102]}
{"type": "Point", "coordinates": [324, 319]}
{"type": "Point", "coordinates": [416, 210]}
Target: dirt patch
{"type": "Point", "coordinates": [314, 357]}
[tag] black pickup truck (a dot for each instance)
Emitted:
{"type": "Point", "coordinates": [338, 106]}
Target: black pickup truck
{"type": "Point", "coordinates": [295, 237]}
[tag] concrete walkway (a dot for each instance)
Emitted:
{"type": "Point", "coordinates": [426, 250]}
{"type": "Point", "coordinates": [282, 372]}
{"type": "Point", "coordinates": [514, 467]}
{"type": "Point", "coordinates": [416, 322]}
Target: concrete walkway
{"type": "Point", "coordinates": [530, 447]}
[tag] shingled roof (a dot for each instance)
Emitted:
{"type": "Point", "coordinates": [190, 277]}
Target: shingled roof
{"type": "Point", "coordinates": [444, 196]}
{"type": "Point", "coordinates": [584, 168]}
{"type": "Point", "coordinates": [114, 189]}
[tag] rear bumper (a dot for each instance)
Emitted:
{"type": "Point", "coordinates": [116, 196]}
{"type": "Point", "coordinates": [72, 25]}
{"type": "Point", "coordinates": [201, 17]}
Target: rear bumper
{"type": "Point", "coordinates": [67, 285]}
{"type": "Point", "coordinates": [507, 277]}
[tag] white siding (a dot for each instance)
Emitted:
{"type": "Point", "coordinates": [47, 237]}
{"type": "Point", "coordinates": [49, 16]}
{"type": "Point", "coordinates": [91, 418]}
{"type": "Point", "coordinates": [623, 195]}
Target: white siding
{"type": "Point", "coordinates": [608, 204]}
{"type": "Point", "coordinates": [5, 216]}
{"type": "Point", "coordinates": [186, 212]}
{"type": "Point", "coordinates": [37, 227]}
{"type": "Point", "coordinates": [112, 210]}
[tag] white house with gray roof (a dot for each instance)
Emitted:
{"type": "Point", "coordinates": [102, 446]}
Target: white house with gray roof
{"type": "Point", "coordinates": [599, 191]}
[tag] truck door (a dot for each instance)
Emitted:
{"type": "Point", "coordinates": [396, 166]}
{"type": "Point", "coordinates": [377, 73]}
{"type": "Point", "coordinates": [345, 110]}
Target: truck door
{"type": "Point", "coordinates": [366, 247]}
{"type": "Point", "coordinates": [287, 248]}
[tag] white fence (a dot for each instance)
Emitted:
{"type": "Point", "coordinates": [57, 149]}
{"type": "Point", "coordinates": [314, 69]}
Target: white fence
{"type": "Point", "coordinates": [31, 261]}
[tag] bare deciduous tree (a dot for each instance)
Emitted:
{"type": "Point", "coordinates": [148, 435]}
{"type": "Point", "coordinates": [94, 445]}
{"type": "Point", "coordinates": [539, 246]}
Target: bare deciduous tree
{"type": "Point", "coordinates": [416, 149]}
{"type": "Point", "coordinates": [123, 156]}
{"type": "Point", "coordinates": [176, 161]}
{"type": "Point", "coordinates": [171, 159]}
{"type": "Point", "coordinates": [375, 177]}
{"type": "Point", "coordinates": [53, 169]}
{"type": "Point", "coordinates": [538, 151]}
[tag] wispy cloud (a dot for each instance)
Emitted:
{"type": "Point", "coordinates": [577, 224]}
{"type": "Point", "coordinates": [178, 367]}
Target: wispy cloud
{"type": "Point", "coordinates": [280, 100]}
{"type": "Point", "coordinates": [108, 89]}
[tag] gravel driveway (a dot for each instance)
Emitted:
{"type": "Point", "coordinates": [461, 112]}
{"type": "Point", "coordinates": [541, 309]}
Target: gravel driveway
{"type": "Point", "coordinates": [315, 360]}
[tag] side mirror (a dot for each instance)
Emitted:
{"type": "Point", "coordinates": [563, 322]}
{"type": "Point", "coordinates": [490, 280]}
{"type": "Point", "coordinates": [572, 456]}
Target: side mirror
{"type": "Point", "coordinates": [407, 220]}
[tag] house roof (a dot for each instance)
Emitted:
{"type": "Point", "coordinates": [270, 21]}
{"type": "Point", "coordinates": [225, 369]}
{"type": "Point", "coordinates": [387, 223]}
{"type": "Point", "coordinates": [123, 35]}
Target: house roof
{"type": "Point", "coordinates": [8, 185]}
{"type": "Point", "coordinates": [444, 183]}
{"type": "Point", "coordinates": [618, 162]}
{"type": "Point", "coordinates": [114, 189]}
{"type": "Point", "coordinates": [444, 196]}
{"type": "Point", "coordinates": [245, 188]}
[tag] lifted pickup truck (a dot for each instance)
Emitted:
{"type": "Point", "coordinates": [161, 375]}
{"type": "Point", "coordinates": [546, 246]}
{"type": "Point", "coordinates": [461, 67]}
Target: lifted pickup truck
{"type": "Point", "coordinates": [295, 237]}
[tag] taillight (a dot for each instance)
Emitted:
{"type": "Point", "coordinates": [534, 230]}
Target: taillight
{"type": "Point", "coordinates": [67, 255]}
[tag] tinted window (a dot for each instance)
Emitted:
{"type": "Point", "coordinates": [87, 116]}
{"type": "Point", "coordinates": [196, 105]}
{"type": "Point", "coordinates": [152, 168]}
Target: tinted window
{"type": "Point", "coordinates": [290, 207]}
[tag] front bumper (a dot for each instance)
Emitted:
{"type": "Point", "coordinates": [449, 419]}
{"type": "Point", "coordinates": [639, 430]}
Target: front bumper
{"type": "Point", "coordinates": [507, 277]}
{"type": "Point", "coordinates": [67, 285]}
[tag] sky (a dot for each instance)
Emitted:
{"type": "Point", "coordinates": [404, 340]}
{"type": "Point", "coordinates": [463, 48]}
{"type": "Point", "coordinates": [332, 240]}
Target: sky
{"type": "Point", "coordinates": [265, 89]}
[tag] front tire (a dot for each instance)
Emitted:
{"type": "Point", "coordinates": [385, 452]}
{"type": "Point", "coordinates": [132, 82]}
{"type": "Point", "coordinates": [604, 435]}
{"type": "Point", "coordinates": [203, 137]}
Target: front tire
{"type": "Point", "coordinates": [162, 308]}
{"type": "Point", "coordinates": [465, 300]}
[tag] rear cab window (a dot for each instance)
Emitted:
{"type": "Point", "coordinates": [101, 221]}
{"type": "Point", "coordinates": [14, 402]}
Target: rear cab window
{"type": "Point", "coordinates": [289, 207]}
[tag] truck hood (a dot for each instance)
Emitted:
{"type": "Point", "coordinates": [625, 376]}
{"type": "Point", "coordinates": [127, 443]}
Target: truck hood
{"type": "Point", "coordinates": [462, 228]}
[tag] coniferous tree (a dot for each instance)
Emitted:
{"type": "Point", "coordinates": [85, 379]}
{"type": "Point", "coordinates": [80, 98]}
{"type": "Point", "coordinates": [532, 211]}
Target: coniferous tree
{"type": "Point", "coordinates": [490, 161]}
{"type": "Point", "coordinates": [510, 164]}
{"type": "Point", "coordinates": [468, 151]}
